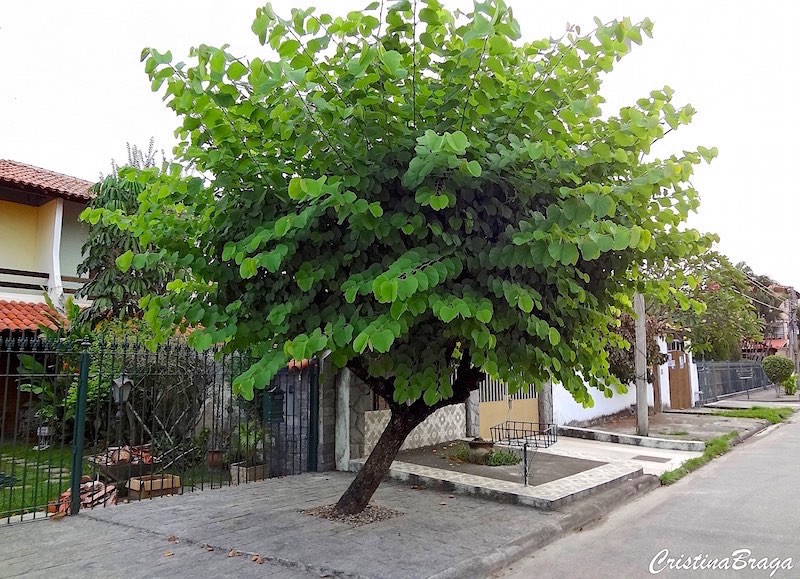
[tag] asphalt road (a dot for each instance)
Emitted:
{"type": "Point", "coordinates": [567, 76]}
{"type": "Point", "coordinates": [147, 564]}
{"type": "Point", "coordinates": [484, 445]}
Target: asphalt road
{"type": "Point", "coordinates": [748, 499]}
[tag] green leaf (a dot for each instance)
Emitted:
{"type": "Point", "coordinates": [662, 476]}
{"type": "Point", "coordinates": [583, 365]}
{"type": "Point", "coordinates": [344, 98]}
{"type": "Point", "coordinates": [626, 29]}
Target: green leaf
{"type": "Point", "coordinates": [554, 336]}
{"type": "Point", "coordinates": [481, 28]}
{"type": "Point", "coordinates": [360, 343]}
{"type": "Point", "coordinates": [484, 315]}
{"type": "Point", "coordinates": [236, 70]}
{"type": "Point", "coordinates": [569, 254]}
{"type": "Point", "coordinates": [622, 238]}
{"type": "Point", "coordinates": [431, 396]}
{"type": "Point", "coordinates": [376, 209]}
{"type": "Point", "coordinates": [525, 303]}
{"type": "Point", "coordinates": [457, 141]}
{"type": "Point", "coordinates": [282, 225]}
{"type": "Point", "coordinates": [124, 261]}
{"type": "Point", "coordinates": [391, 60]}
{"type": "Point", "coordinates": [382, 341]}
{"type": "Point", "coordinates": [447, 314]}
{"type": "Point", "coordinates": [474, 168]}
{"type": "Point", "coordinates": [248, 268]}
{"type": "Point", "coordinates": [288, 48]}
{"type": "Point", "coordinates": [439, 201]}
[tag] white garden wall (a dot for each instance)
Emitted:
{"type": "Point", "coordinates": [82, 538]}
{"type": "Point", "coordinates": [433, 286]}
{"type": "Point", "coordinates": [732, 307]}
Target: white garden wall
{"type": "Point", "coordinates": [567, 411]}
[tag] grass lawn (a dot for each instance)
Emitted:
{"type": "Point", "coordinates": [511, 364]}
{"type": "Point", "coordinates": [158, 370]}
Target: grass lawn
{"type": "Point", "coordinates": [715, 447]}
{"type": "Point", "coordinates": [774, 415]}
{"type": "Point", "coordinates": [32, 478]}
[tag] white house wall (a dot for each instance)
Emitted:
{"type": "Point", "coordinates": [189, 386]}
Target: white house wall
{"type": "Point", "coordinates": [73, 236]}
{"type": "Point", "coordinates": [567, 411]}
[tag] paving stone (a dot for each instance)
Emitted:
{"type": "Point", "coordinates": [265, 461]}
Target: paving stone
{"type": "Point", "coordinates": [266, 518]}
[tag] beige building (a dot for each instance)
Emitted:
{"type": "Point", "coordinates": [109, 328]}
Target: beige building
{"type": "Point", "coordinates": [40, 234]}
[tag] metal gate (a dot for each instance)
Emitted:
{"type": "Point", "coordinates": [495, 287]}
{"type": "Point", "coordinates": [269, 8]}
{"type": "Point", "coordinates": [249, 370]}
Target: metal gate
{"type": "Point", "coordinates": [93, 423]}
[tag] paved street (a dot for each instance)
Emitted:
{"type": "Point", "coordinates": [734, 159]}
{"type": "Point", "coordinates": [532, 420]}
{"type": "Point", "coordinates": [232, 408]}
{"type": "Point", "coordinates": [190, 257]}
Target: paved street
{"type": "Point", "coordinates": [747, 499]}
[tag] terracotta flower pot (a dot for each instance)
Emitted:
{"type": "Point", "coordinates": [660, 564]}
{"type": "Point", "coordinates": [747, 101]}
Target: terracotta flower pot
{"type": "Point", "coordinates": [479, 449]}
{"type": "Point", "coordinates": [214, 458]}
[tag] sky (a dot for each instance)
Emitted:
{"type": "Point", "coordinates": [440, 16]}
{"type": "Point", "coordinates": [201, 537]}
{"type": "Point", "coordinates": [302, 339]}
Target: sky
{"type": "Point", "coordinates": [73, 91]}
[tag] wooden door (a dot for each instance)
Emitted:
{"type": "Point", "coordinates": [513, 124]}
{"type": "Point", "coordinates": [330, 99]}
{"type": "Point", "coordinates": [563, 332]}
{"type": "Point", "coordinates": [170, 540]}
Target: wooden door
{"type": "Point", "coordinates": [680, 391]}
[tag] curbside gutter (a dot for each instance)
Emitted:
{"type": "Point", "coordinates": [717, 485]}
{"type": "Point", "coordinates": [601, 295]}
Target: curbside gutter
{"type": "Point", "coordinates": [578, 515]}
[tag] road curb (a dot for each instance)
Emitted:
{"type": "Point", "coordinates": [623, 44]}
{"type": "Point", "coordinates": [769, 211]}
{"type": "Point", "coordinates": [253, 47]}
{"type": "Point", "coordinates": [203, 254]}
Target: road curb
{"type": "Point", "coordinates": [579, 514]}
{"type": "Point", "coordinates": [631, 439]}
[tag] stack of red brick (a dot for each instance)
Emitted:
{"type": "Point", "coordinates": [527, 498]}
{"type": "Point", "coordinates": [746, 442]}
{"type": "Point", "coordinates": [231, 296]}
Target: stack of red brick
{"type": "Point", "coordinates": [93, 494]}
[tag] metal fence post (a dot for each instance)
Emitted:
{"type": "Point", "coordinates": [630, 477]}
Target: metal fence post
{"type": "Point", "coordinates": [313, 432]}
{"type": "Point", "coordinates": [78, 433]}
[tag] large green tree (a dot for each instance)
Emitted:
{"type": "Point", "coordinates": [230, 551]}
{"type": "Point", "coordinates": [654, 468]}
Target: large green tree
{"type": "Point", "coordinates": [418, 192]}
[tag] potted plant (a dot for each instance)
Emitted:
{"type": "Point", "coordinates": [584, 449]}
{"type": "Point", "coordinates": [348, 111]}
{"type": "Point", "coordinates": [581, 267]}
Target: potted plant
{"type": "Point", "coordinates": [251, 445]}
{"type": "Point", "coordinates": [215, 456]}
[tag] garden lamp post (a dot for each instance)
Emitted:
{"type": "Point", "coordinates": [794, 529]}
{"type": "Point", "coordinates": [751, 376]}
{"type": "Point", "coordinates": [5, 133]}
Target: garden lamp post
{"type": "Point", "coordinates": [120, 391]}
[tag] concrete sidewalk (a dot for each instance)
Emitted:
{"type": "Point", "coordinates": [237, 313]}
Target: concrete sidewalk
{"type": "Point", "coordinates": [742, 500]}
{"type": "Point", "coordinates": [655, 461]}
{"type": "Point", "coordinates": [438, 535]}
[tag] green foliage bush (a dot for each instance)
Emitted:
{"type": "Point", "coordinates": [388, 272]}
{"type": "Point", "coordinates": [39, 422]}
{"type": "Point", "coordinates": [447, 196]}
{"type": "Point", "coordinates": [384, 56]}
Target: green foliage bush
{"type": "Point", "coordinates": [777, 368]}
{"type": "Point", "coordinates": [790, 384]}
{"type": "Point", "coordinates": [502, 458]}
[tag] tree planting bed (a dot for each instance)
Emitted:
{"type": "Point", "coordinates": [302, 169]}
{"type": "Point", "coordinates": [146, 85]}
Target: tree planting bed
{"type": "Point", "coordinates": [544, 467]}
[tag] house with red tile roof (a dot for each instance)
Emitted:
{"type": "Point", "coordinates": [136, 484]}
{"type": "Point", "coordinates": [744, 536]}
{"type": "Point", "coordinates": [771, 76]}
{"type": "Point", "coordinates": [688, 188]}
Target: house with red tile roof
{"type": "Point", "coordinates": [41, 239]}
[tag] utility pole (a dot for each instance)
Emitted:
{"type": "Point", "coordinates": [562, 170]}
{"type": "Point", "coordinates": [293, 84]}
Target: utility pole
{"type": "Point", "coordinates": [793, 327]}
{"type": "Point", "coordinates": [642, 426]}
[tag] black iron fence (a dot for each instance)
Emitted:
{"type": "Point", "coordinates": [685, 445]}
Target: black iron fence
{"type": "Point", "coordinates": [91, 424]}
{"type": "Point", "coordinates": [720, 379]}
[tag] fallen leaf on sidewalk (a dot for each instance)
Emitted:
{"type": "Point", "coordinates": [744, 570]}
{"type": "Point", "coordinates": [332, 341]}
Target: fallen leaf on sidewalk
{"type": "Point", "coordinates": [443, 504]}
{"type": "Point", "coordinates": [257, 559]}
{"type": "Point", "coordinates": [168, 554]}
{"type": "Point", "coordinates": [172, 539]}
{"type": "Point", "coordinates": [234, 553]}
{"type": "Point", "coordinates": [414, 487]}
{"type": "Point", "coordinates": [58, 516]}
{"type": "Point", "coordinates": [209, 548]}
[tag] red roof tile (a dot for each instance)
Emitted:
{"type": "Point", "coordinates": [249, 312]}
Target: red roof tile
{"type": "Point", "coordinates": [40, 180]}
{"type": "Point", "coordinates": [16, 316]}
{"type": "Point", "coordinates": [777, 343]}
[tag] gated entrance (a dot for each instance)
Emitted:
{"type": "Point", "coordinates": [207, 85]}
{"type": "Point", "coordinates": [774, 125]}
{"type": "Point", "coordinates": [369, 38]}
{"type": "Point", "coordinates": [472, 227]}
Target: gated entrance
{"type": "Point", "coordinates": [680, 391]}
{"type": "Point", "coordinates": [87, 424]}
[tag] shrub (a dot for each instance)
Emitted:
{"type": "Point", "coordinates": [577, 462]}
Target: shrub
{"type": "Point", "coordinates": [502, 458]}
{"type": "Point", "coordinates": [460, 453]}
{"type": "Point", "coordinates": [777, 368]}
{"type": "Point", "coordinates": [790, 384]}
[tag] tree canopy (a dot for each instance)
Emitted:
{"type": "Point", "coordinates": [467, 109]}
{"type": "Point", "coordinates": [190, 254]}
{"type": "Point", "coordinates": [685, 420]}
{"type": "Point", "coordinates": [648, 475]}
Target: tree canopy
{"type": "Point", "coordinates": [408, 187]}
{"type": "Point", "coordinates": [115, 293]}
{"type": "Point", "coordinates": [728, 319]}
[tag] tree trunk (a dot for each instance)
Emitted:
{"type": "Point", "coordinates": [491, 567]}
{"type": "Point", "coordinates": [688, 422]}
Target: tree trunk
{"type": "Point", "coordinates": [403, 420]}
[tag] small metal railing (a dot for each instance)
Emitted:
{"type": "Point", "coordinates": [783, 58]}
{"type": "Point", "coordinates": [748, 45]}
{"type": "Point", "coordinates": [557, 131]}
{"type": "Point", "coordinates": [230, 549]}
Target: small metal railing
{"type": "Point", "coordinates": [525, 435]}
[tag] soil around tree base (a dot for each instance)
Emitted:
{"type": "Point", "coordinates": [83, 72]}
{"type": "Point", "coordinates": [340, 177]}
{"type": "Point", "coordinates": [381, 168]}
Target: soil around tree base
{"type": "Point", "coordinates": [371, 514]}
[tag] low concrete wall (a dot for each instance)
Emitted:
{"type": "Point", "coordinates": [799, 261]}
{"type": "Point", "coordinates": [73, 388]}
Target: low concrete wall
{"type": "Point", "coordinates": [445, 424]}
{"type": "Point", "coordinates": [632, 439]}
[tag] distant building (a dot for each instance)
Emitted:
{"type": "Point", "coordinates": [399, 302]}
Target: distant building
{"type": "Point", "coordinates": [782, 333]}
{"type": "Point", "coordinates": [41, 239]}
